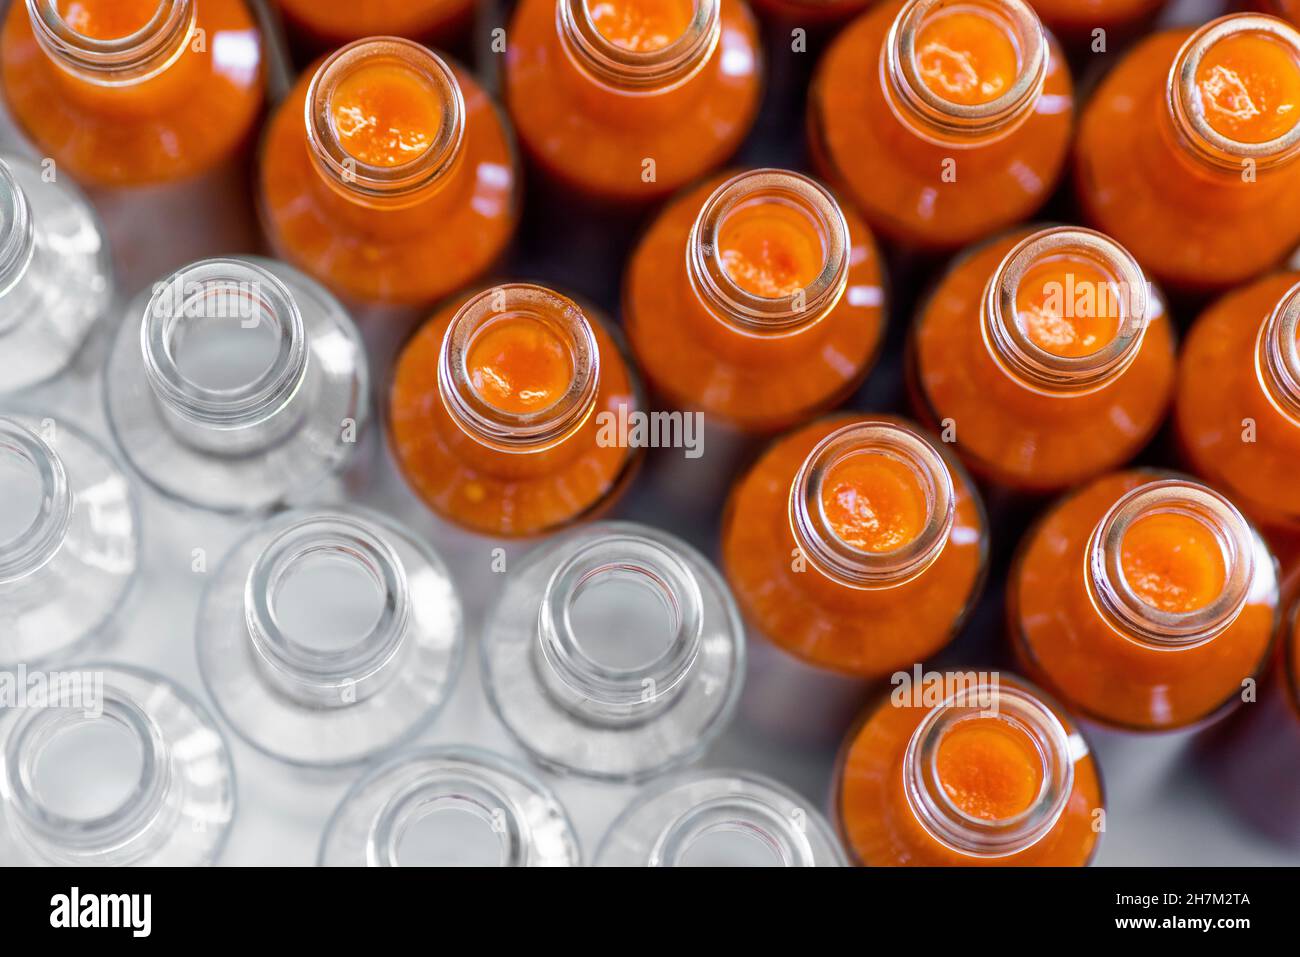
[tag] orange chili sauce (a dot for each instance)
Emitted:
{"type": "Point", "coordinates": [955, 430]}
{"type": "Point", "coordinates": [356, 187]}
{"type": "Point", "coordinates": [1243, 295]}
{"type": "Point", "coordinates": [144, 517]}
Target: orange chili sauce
{"type": "Point", "coordinates": [1173, 562]}
{"type": "Point", "coordinates": [865, 632]}
{"type": "Point", "coordinates": [985, 771]}
{"type": "Point", "coordinates": [1250, 88]}
{"type": "Point", "coordinates": [385, 115]}
{"type": "Point", "coordinates": [695, 362]}
{"type": "Point", "coordinates": [516, 367]}
{"type": "Point", "coordinates": [873, 502]}
{"type": "Point", "coordinates": [641, 25]}
{"type": "Point", "coordinates": [184, 121]}
{"type": "Point", "coordinates": [1013, 436]}
{"type": "Point", "coordinates": [1068, 306]}
{"type": "Point", "coordinates": [894, 176]}
{"type": "Point", "coordinates": [965, 56]}
{"type": "Point", "coordinates": [1065, 644]}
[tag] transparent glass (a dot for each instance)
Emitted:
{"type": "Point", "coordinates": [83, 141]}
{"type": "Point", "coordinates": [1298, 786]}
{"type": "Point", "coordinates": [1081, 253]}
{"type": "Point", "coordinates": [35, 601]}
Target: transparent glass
{"type": "Point", "coordinates": [242, 386]}
{"type": "Point", "coordinates": [327, 637]}
{"type": "Point", "coordinates": [615, 652]}
{"type": "Point", "coordinates": [69, 538]}
{"type": "Point", "coordinates": [720, 819]}
{"type": "Point", "coordinates": [56, 280]}
{"type": "Point", "coordinates": [450, 806]}
{"type": "Point", "coordinates": [120, 768]}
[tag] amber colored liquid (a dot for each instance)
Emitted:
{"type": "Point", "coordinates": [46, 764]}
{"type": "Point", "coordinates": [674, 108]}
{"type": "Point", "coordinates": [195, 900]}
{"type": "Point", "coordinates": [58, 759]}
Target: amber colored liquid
{"type": "Point", "coordinates": [641, 25]}
{"type": "Point", "coordinates": [385, 115]}
{"type": "Point", "coordinates": [896, 177]}
{"type": "Point", "coordinates": [1189, 226]}
{"type": "Point", "coordinates": [618, 146]}
{"type": "Point", "coordinates": [1230, 433]}
{"type": "Point", "coordinates": [1005, 431]}
{"type": "Point", "coordinates": [186, 120]}
{"type": "Point", "coordinates": [492, 491]}
{"type": "Point", "coordinates": [985, 770]}
{"type": "Point", "coordinates": [1173, 562]}
{"type": "Point", "coordinates": [1072, 333]}
{"type": "Point", "coordinates": [759, 384]}
{"type": "Point", "coordinates": [873, 502]}
{"type": "Point", "coordinates": [966, 57]}
{"type": "Point", "coordinates": [770, 249]}
{"type": "Point", "coordinates": [107, 19]}
{"type": "Point", "coordinates": [342, 20]}
{"type": "Point", "coordinates": [864, 632]}
{"type": "Point", "coordinates": [1064, 643]}
{"type": "Point", "coordinates": [411, 255]}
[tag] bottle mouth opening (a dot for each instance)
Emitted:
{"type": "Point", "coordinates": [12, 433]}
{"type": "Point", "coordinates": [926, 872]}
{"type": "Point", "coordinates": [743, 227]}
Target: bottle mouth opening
{"type": "Point", "coordinates": [1277, 355]}
{"type": "Point", "coordinates": [1121, 603]}
{"type": "Point", "coordinates": [570, 651]}
{"type": "Point", "coordinates": [818, 214]}
{"type": "Point", "coordinates": [127, 59]}
{"type": "Point", "coordinates": [445, 818]}
{"type": "Point", "coordinates": [400, 182]}
{"type": "Point", "coordinates": [38, 479]}
{"type": "Point", "coordinates": [638, 70]}
{"type": "Point", "coordinates": [1019, 26]}
{"type": "Point", "coordinates": [17, 243]}
{"type": "Point", "coordinates": [1186, 97]}
{"type": "Point", "coordinates": [561, 322]}
{"type": "Point", "coordinates": [846, 563]}
{"type": "Point", "coordinates": [345, 669]}
{"type": "Point", "coordinates": [732, 831]}
{"type": "Point", "coordinates": [188, 338]}
{"type": "Point", "coordinates": [949, 822]}
{"type": "Point", "coordinates": [1122, 287]}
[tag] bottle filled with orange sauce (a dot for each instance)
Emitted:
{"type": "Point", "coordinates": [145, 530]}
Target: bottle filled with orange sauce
{"type": "Point", "coordinates": [389, 175]}
{"type": "Point", "coordinates": [1143, 601]}
{"type": "Point", "coordinates": [337, 22]}
{"type": "Point", "coordinates": [505, 412]}
{"type": "Point", "coordinates": [132, 92]}
{"type": "Point", "coordinates": [1189, 151]}
{"type": "Point", "coordinates": [1237, 406]}
{"type": "Point", "coordinates": [993, 774]}
{"type": "Point", "coordinates": [855, 544]}
{"type": "Point", "coordinates": [943, 120]}
{"type": "Point", "coordinates": [627, 101]}
{"type": "Point", "coordinates": [756, 299]}
{"type": "Point", "coordinates": [1045, 356]}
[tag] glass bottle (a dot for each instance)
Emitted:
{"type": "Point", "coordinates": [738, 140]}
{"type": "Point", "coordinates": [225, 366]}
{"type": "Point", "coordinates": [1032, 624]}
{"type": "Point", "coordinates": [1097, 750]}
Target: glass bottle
{"type": "Point", "coordinates": [614, 652]}
{"type": "Point", "coordinates": [329, 636]}
{"type": "Point", "coordinates": [242, 386]}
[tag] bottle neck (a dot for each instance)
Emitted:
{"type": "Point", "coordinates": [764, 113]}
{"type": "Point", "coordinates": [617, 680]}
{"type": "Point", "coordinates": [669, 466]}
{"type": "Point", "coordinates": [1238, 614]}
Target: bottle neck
{"type": "Point", "coordinates": [973, 824]}
{"type": "Point", "coordinates": [123, 834]}
{"type": "Point", "coordinates": [747, 223]}
{"type": "Point", "coordinates": [380, 70]}
{"type": "Point", "coordinates": [199, 332]}
{"type": "Point", "coordinates": [935, 91]}
{"type": "Point", "coordinates": [734, 830]}
{"type": "Point", "coordinates": [626, 692]}
{"type": "Point", "coordinates": [119, 61]}
{"type": "Point", "coordinates": [630, 65]}
{"type": "Point", "coordinates": [1277, 356]}
{"type": "Point", "coordinates": [17, 250]}
{"type": "Point", "coordinates": [1065, 280]}
{"type": "Point", "coordinates": [315, 676]}
{"type": "Point", "coordinates": [25, 553]}
{"type": "Point", "coordinates": [1204, 95]}
{"type": "Point", "coordinates": [486, 371]}
{"type": "Point", "coordinates": [1214, 543]}
{"type": "Point", "coordinates": [916, 486]}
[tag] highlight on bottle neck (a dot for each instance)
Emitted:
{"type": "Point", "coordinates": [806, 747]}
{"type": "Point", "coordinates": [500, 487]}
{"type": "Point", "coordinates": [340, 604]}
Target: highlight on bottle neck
{"type": "Point", "coordinates": [1171, 565]}
{"type": "Point", "coordinates": [37, 502]}
{"type": "Point", "coordinates": [1233, 92]}
{"type": "Point", "coordinates": [17, 239]}
{"type": "Point", "coordinates": [519, 368]}
{"type": "Point", "coordinates": [320, 669]}
{"type": "Point", "coordinates": [639, 46]}
{"type": "Point", "coordinates": [654, 655]}
{"type": "Point", "coordinates": [1066, 311]}
{"type": "Point", "coordinates": [385, 120]}
{"type": "Point", "coordinates": [734, 830]}
{"type": "Point", "coordinates": [964, 71]}
{"type": "Point", "coordinates": [225, 354]}
{"type": "Point", "coordinates": [769, 252]}
{"type": "Point", "coordinates": [1277, 355]}
{"type": "Point", "coordinates": [989, 772]}
{"type": "Point", "coordinates": [113, 42]}
{"type": "Point", "coordinates": [872, 506]}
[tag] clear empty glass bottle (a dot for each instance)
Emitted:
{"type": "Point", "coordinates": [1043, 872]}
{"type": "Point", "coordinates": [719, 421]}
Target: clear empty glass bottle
{"type": "Point", "coordinates": [69, 536]}
{"type": "Point", "coordinates": [615, 652]}
{"type": "Point", "coordinates": [450, 806]}
{"type": "Point", "coordinates": [241, 386]}
{"type": "Point", "coordinates": [327, 637]}
{"type": "Point", "coordinates": [56, 280]}
{"type": "Point", "coordinates": [121, 768]}
{"type": "Point", "coordinates": [720, 819]}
